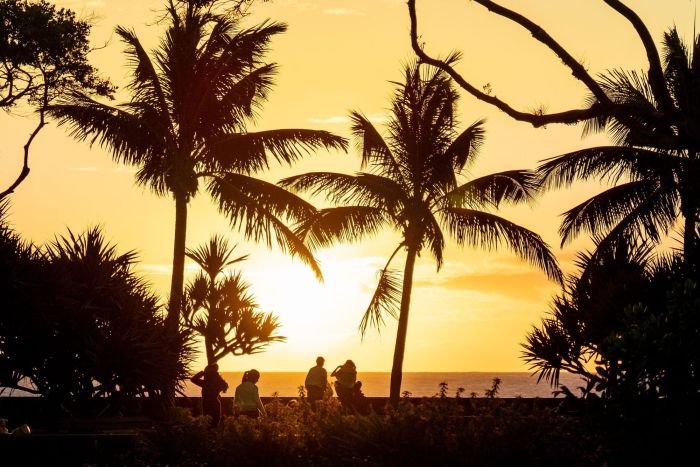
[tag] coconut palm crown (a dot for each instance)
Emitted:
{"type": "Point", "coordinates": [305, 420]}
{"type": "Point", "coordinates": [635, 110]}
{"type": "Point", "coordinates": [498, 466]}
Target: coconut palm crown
{"type": "Point", "coordinates": [412, 183]}
{"type": "Point", "coordinates": [655, 165]}
{"type": "Point", "coordinates": [186, 124]}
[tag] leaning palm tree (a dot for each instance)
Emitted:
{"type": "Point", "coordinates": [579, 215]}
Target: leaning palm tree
{"type": "Point", "coordinates": [186, 124]}
{"type": "Point", "coordinates": [413, 184]}
{"type": "Point", "coordinates": [220, 307]}
{"type": "Point", "coordinates": [654, 166]}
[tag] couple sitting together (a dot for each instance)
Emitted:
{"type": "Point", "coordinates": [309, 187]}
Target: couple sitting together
{"type": "Point", "coordinates": [348, 389]}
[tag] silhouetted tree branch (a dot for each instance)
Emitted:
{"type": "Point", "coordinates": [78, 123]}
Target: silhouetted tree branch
{"type": "Point", "coordinates": [602, 105]}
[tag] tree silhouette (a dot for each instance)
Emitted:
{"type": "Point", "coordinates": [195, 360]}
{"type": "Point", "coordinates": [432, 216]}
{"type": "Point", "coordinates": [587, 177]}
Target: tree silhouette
{"type": "Point", "coordinates": [186, 124]}
{"type": "Point", "coordinates": [627, 323]}
{"type": "Point", "coordinates": [220, 307]}
{"type": "Point", "coordinates": [43, 55]}
{"type": "Point", "coordinates": [77, 323]}
{"type": "Point", "coordinates": [413, 185]}
{"type": "Point", "coordinates": [657, 160]}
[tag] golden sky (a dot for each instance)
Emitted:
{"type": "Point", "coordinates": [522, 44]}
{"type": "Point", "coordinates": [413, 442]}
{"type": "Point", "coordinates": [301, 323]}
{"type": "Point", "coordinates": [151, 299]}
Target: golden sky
{"type": "Point", "coordinates": [340, 55]}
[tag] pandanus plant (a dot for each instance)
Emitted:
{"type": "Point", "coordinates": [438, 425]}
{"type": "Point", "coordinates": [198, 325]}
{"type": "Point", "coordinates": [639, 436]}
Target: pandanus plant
{"type": "Point", "coordinates": [220, 307]}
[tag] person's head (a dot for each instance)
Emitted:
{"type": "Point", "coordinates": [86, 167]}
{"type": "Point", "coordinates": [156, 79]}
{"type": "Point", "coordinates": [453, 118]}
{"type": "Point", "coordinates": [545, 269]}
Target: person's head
{"type": "Point", "coordinates": [320, 361]}
{"type": "Point", "coordinates": [252, 376]}
{"type": "Point", "coordinates": [349, 364]}
{"type": "Point", "coordinates": [213, 368]}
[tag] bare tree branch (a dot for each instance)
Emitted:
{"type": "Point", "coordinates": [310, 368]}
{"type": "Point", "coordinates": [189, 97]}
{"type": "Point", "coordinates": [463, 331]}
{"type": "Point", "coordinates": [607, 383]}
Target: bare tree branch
{"type": "Point", "coordinates": [602, 106]}
{"type": "Point", "coordinates": [25, 162]}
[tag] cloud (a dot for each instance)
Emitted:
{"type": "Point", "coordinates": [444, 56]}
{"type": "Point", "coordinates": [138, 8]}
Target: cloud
{"type": "Point", "coordinates": [343, 12]}
{"type": "Point", "coordinates": [524, 286]}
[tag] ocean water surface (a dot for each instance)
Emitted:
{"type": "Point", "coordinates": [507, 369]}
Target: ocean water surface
{"type": "Point", "coordinates": [376, 384]}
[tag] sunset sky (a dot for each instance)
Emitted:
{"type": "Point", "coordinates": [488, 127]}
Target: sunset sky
{"type": "Point", "coordinates": [338, 56]}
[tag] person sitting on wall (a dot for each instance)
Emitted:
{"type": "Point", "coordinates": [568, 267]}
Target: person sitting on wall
{"type": "Point", "coordinates": [345, 377]}
{"type": "Point", "coordinates": [247, 399]}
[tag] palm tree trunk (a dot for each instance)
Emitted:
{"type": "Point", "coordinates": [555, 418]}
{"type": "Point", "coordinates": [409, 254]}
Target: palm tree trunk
{"type": "Point", "coordinates": [397, 367]}
{"type": "Point", "coordinates": [178, 277]}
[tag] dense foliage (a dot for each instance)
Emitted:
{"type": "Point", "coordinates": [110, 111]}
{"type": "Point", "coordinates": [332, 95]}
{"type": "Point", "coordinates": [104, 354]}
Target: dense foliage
{"type": "Point", "coordinates": [628, 325]}
{"type": "Point", "coordinates": [43, 53]}
{"type": "Point", "coordinates": [77, 323]}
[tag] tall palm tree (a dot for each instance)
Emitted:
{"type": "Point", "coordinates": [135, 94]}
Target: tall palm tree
{"type": "Point", "coordinates": [656, 159]}
{"type": "Point", "coordinates": [220, 307]}
{"type": "Point", "coordinates": [186, 124]}
{"type": "Point", "coordinates": [413, 184]}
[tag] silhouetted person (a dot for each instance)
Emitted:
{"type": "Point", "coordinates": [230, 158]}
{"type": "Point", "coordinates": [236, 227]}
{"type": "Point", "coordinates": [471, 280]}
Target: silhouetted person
{"type": "Point", "coordinates": [345, 377]}
{"type": "Point", "coordinates": [212, 385]}
{"type": "Point", "coordinates": [247, 398]}
{"type": "Point", "coordinates": [316, 381]}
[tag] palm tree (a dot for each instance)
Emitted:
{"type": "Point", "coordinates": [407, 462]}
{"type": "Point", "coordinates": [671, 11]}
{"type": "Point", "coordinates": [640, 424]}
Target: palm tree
{"type": "Point", "coordinates": [220, 307]}
{"type": "Point", "coordinates": [657, 158]}
{"type": "Point", "coordinates": [186, 124]}
{"type": "Point", "coordinates": [413, 185]}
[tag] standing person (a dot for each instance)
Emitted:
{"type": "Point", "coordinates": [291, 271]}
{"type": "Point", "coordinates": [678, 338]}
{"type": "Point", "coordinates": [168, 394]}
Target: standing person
{"type": "Point", "coordinates": [212, 385]}
{"type": "Point", "coordinates": [247, 398]}
{"type": "Point", "coordinates": [345, 377]}
{"type": "Point", "coordinates": [316, 381]}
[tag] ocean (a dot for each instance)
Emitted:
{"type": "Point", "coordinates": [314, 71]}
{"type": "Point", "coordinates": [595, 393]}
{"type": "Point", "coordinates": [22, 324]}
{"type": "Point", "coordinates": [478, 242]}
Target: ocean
{"type": "Point", "coordinates": [418, 384]}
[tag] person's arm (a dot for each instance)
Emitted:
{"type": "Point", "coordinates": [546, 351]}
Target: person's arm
{"type": "Point", "coordinates": [198, 379]}
{"type": "Point", "coordinates": [261, 407]}
{"type": "Point", "coordinates": [335, 372]}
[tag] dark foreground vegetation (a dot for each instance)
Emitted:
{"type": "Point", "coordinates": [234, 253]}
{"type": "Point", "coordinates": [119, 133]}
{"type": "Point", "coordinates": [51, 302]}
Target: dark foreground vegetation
{"type": "Point", "coordinates": [430, 431]}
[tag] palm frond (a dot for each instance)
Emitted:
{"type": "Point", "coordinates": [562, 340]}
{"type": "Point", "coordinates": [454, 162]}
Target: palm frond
{"type": "Point", "coordinates": [603, 211]}
{"type": "Point", "coordinates": [464, 149]}
{"type": "Point", "coordinates": [605, 163]}
{"type": "Point", "coordinates": [649, 220]}
{"type": "Point", "coordinates": [130, 137]}
{"type": "Point", "coordinates": [361, 188]}
{"type": "Point", "coordinates": [256, 206]}
{"type": "Point", "coordinates": [145, 82]}
{"type": "Point", "coordinates": [386, 298]}
{"type": "Point", "coordinates": [486, 230]}
{"type": "Point", "coordinates": [251, 152]}
{"type": "Point", "coordinates": [341, 224]}
{"type": "Point", "coordinates": [513, 186]}
{"type": "Point", "coordinates": [375, 151]}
